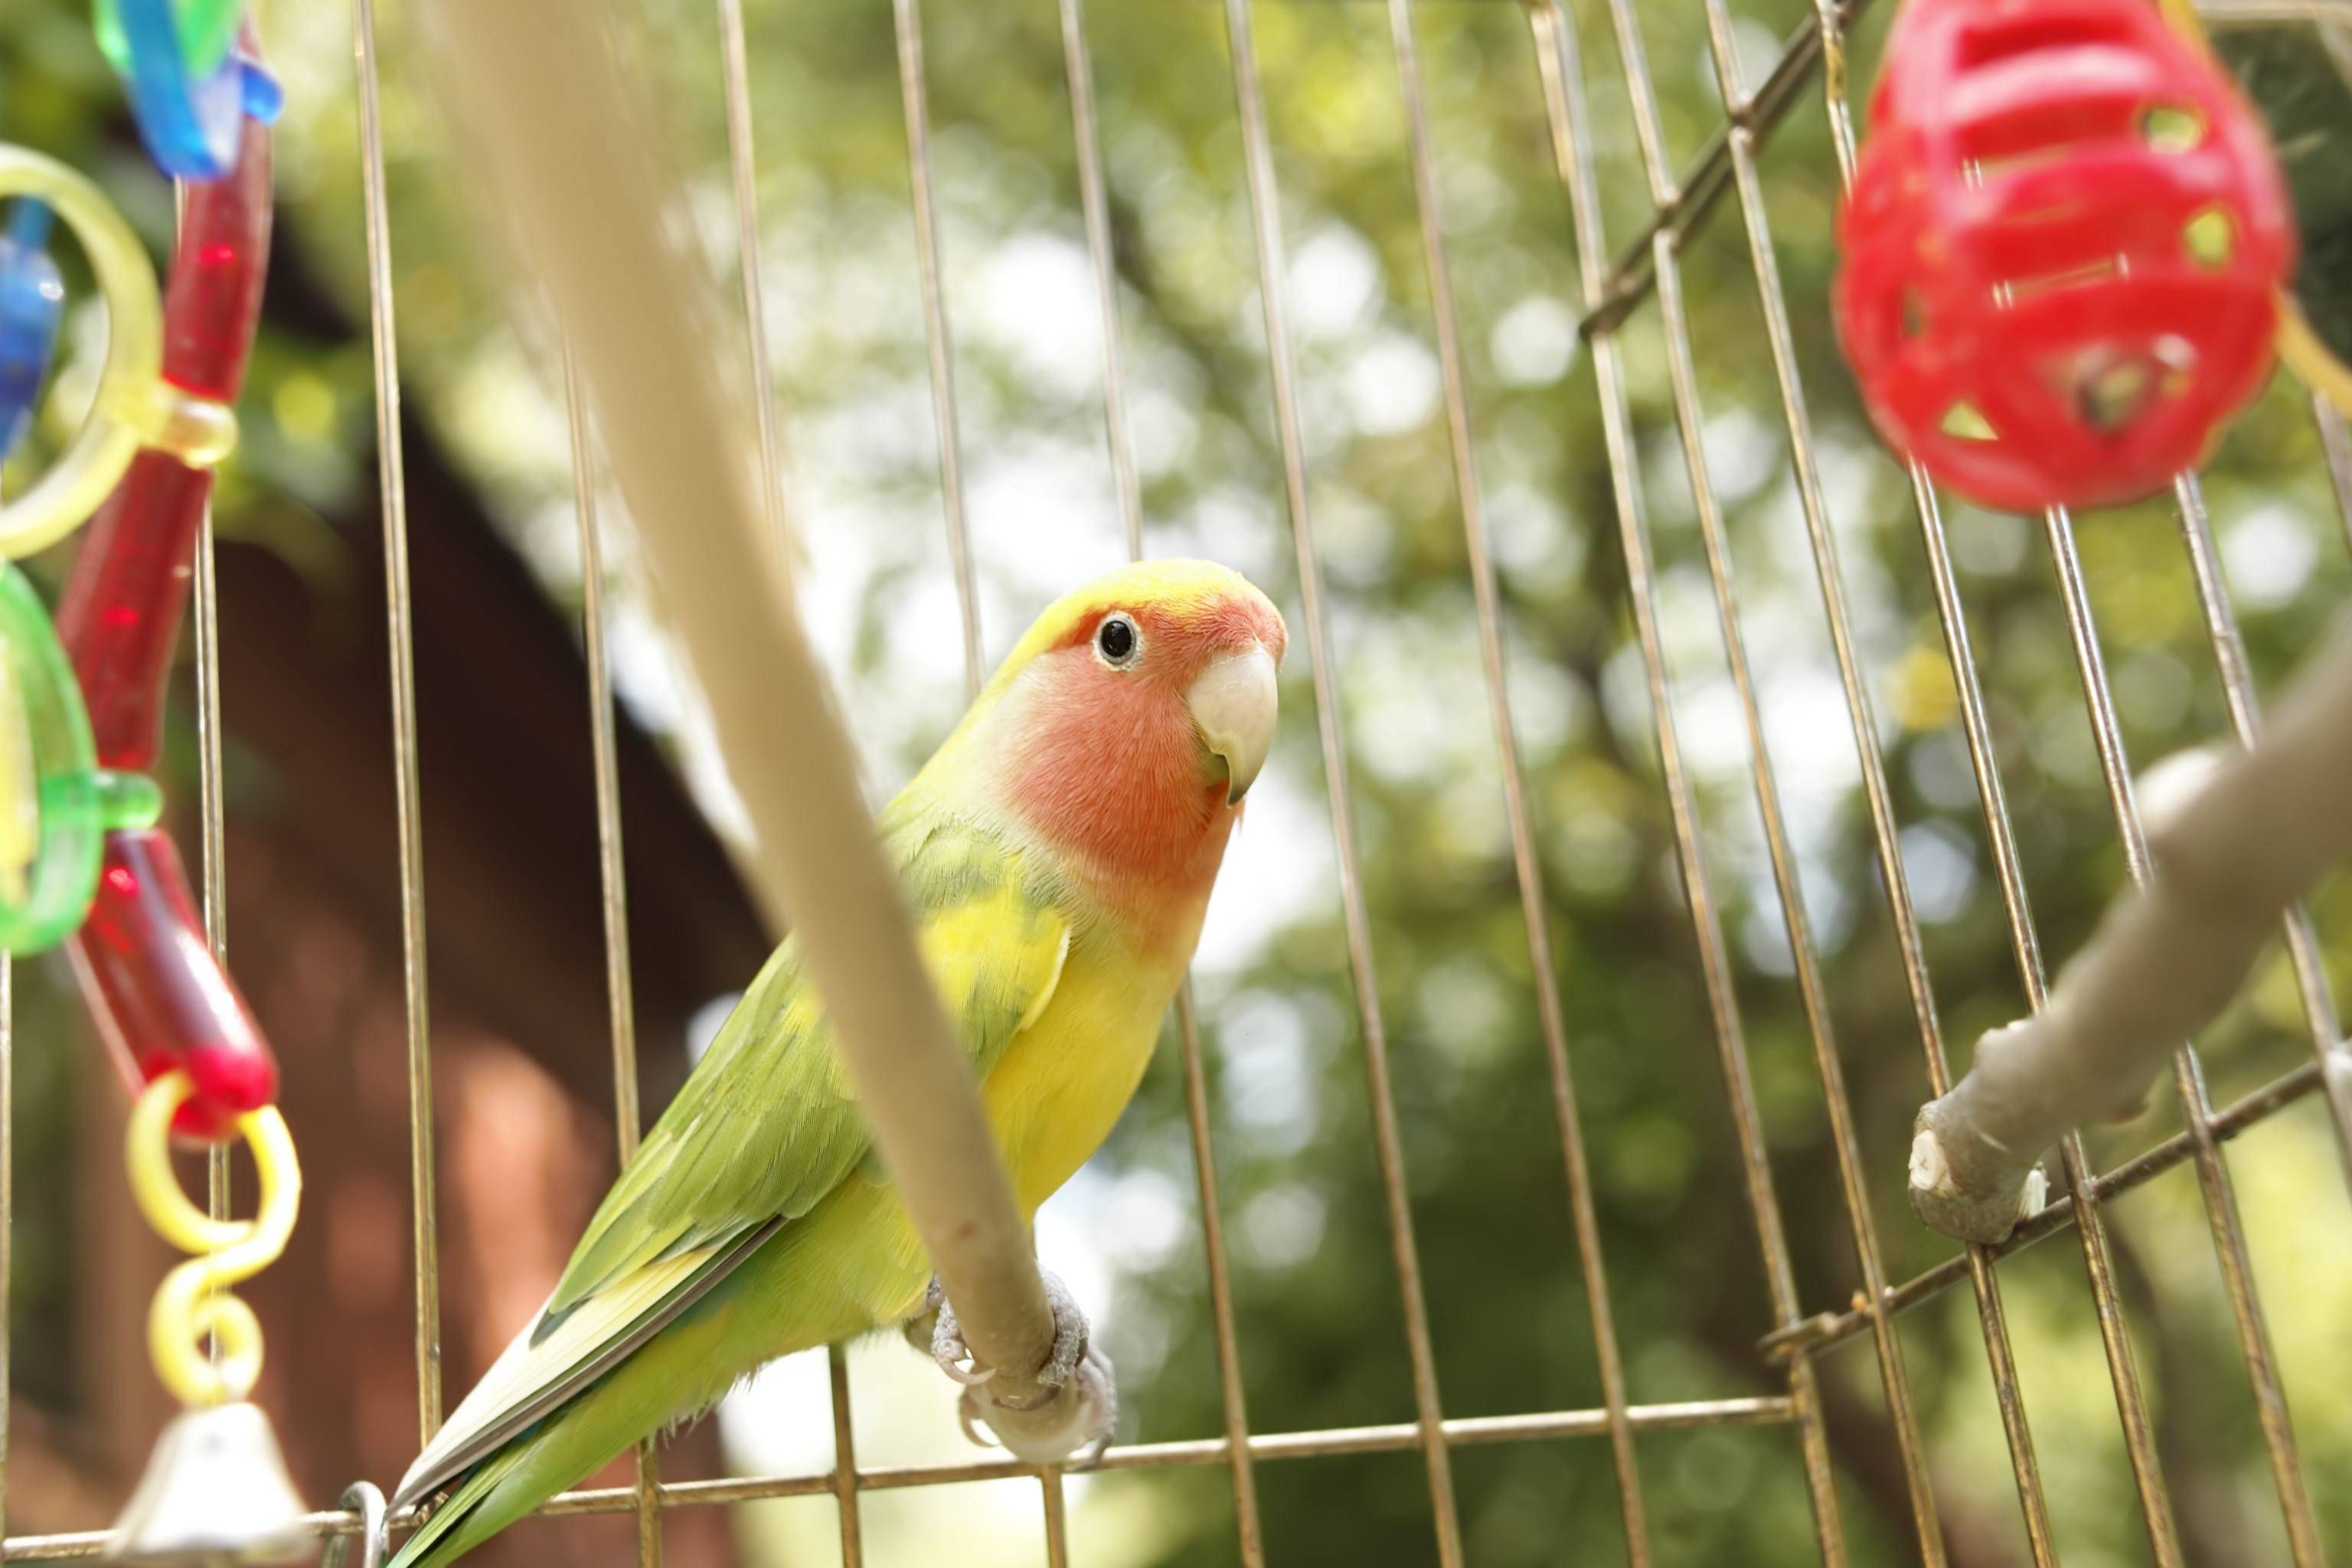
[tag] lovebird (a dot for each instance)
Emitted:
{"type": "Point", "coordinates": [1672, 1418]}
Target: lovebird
{"type": "Point", "coordinates": [1056, 854]}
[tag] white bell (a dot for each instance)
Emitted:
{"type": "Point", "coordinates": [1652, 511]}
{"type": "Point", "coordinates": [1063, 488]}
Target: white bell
{"type": "Point", "coordinates": [216, 1493]}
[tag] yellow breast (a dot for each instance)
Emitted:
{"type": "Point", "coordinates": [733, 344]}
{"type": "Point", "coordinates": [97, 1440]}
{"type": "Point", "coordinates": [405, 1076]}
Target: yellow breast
{"type": "Point", "coordinates": [1064, 1081]}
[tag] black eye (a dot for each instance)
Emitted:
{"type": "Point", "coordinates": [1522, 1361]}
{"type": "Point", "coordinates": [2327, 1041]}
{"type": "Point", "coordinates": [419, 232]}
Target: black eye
{"type": "Point", "coordinates": [1116, 639]}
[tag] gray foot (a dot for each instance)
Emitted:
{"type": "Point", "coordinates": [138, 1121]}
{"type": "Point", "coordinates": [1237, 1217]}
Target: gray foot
{"type": "Point", "coordinates": [934, 1328]}
{"type": "Point", "coordinates": [1073, 1425]}
{"type": "Point", "coordinates": [1077, 1402]}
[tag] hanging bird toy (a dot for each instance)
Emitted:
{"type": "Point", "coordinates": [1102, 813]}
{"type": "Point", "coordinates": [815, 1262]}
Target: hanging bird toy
{"type": "Point", "coordinates": [81, 858]}
{"type": "Point", "coordinates": [2063, 251]}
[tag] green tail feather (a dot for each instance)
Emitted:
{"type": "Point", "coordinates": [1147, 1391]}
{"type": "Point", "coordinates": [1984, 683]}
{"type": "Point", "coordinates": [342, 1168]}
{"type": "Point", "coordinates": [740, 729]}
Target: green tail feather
{"type": "Point", "coordinates": [812, 1285]}
{"type": "Point", "coordinates": [459, 1524]}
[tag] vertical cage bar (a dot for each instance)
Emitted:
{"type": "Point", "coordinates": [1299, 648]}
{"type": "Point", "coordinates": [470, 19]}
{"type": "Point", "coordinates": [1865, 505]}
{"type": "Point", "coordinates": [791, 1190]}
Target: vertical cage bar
{"type": "Point", "coordinates": [209, 787]}
{"type": "Point", "coordinates": [1565, 108]}
{"type": "Point", "coordinates": [1095, 200]}
{"type": "Point", "coordinates": [1813, 995]}
{"type": "Point", "coordinates": [915, 97]}
{"type": "Point", "coordinates": [2092, 1228]}
{"type": "Point", "coordinates": [1689, 418]}
{"type": "Point", "coordinates": [1265, 214]}
{"type": "Point", "coordinates": [743, 161]}
{"type": "Point", "coordinates": [1764, 262]}
{"type": "Point", "coordinates": [1095, 203]}
{"type": "Point", "coordinates": [2320, 1018]}
{"type": "Point", "coordinates": [2130, 1404]}
{"type": "Point", "coordinates": [385, 344]}
{"type": "Point", "coordinates": [208, 782]}
{"type": "Point", "coordinates": [1057, 1517]}
{"type": "Point", "coordinates": [1525, 863]}
{"type": "Point", "coordinates": [2335, 445]}
{"type": "Point", "coordinates": [1238, 1462]}
{"type": "Point", "coordinates": [619, 992]}
{"type": "Point", "coordinates": [2189, 1075]}
{"type": "Point", "coordinates": [844, 1460]}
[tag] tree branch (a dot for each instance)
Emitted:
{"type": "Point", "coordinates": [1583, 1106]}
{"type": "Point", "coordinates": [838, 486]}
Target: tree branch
{"type": "Point", "coordinates": [2259, 829]}
{"type": "Point", "coordinates": [568, 146]}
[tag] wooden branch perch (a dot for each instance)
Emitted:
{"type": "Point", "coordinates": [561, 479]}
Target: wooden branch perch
{"type": "Point", "coordinates": [567, 149]}
{"type": "Point", "coordinates": [2252, 836]}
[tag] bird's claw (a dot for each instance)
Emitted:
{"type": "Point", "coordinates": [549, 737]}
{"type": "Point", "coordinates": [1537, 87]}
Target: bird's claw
{"type": "Point", "coordinates": [1087, 1404]}
{"type": "Point", "coordinates": [946, 1346]}
{"type": "Point", "coordinates": [1071, 1340]}
{"type": "Point", "coordinates": [1069, 1420]}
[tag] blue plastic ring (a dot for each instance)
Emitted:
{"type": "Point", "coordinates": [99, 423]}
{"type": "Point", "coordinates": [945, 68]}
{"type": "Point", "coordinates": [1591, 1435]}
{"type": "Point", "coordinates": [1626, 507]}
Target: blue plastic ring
{"type": "Point", "coordinates": [191, 127]}
{"type": "Point", "coordinates": [32, 304]}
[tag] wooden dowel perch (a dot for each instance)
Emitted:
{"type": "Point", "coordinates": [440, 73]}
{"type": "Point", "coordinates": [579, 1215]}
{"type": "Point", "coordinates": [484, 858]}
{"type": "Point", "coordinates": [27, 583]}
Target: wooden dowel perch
{"type": "Point", "coordinates": [2255, 832]}
{"type": "Point", "coordinates": [566, 149]}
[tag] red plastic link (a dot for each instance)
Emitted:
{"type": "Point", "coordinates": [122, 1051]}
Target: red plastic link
{"type": "Point", "coordinates": [2063, 252]}
{"type": "Point", "coordinates": [159, 999]}
{"type": "Point", "coordinates": [120, 616]}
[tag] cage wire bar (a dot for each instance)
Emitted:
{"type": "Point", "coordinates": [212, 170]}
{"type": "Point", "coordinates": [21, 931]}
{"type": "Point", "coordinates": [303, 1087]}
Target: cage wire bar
{"type": "Point", "coordinates": [2212, 1176]}
{"type": "Point", "coordinates": [384, 340]}
{"type": "Point", "coordinates": [743, 163]}
{"type": "Point", "coordinates": [612, 877]}
{"type": "Point", "coordinates": [2336, 444]}
{"type": "Point", "coordinates": [1572, 148]}
{"type": "Point", "coordinates": [1738, 145]}
{"type": "Point", "coordinates": [1612, 289]}
{"type": "Point", "coordinates": [2238, 693]}
{"type": "Point", "coordinates": [1095, 208]}
{"type": "Point", "coordinates": [1527, 868]}
{"type": "Point", "coordinates": [1272, 270]}
{"type": "Point", "coordinates": [1689, 420]}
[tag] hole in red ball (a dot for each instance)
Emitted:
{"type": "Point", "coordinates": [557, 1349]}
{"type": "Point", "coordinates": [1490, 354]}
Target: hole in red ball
{"type": "Point", "coordinates": [2168, 129]}
{"type": "Point", "coordinates": [2112, 397]}
{"type": "Point", "coordinates": [1963, 422]}
{"type": "Point", "coordinates": [2112, 386]}
{"type": "Point", "coordinates": [2210, 238]}
{"type": "Point", "coordinates": [1915, 315]}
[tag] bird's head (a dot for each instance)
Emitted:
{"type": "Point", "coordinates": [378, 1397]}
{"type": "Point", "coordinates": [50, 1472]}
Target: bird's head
{"type": "Point", "coordinates": [1134, 715]}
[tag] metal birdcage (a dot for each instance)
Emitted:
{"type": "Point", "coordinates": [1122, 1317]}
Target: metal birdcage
{"type": "Point", "coordinates": [1620, 280]}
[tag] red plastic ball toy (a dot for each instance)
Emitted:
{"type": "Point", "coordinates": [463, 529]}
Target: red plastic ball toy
{"type": "Point", "coordinates": [2062, 251]}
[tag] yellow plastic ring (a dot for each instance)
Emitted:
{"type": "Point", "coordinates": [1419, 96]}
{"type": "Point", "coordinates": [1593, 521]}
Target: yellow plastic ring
{"type": "Point", "coordinates": [185, 1311]}
{"type": "Point", "coordinates": [232, 1242]}
{"type": "Point", "coordinates": [2310, 359]}
{"type": "Point", "coordinates": [147, 1151]}
{"type": "Point", "coordinates": [77, 482]}
{"type": "Point", "coordinates": [192, 1301]}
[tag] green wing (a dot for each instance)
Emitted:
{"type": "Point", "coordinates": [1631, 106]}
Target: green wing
{"type": "Point", "coordinates": [766, 1126]}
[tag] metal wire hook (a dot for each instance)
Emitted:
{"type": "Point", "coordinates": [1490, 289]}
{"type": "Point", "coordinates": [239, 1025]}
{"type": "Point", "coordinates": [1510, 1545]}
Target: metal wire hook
{"type": "Point", "coordinates": [363, 1499]}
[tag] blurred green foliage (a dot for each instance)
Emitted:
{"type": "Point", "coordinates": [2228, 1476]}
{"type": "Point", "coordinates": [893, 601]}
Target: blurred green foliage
{"type": "Point", "coordinates": [1315, 1291]}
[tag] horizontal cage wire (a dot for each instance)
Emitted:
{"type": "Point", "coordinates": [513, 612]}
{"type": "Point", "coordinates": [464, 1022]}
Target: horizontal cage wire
{"type": "Point", "coordinates": [1626, 298]}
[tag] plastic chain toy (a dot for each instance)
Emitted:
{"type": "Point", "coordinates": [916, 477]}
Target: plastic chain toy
{"type": "Point", "coordinates": [2062, 253]}
{"type": "Point", "coordinates": [78, 813]}
{"type": "Point", "coordinates": [215, 1490]}
{"type": "Point", "coordinates": [161, 1001]}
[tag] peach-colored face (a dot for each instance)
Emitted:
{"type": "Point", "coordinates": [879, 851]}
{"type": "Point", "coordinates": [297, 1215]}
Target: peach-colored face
{"type": "Point", "coordinates": [1142, 724]}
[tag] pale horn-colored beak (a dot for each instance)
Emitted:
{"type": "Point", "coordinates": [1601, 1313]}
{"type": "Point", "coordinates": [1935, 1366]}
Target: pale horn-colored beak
{"type": "Point", "coordinates": [1232, 703]}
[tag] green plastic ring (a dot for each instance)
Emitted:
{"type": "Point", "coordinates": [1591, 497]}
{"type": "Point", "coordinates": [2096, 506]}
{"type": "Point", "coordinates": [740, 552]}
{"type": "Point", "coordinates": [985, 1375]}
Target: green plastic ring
{"type": "Point", "coordinates": [51, 828]}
